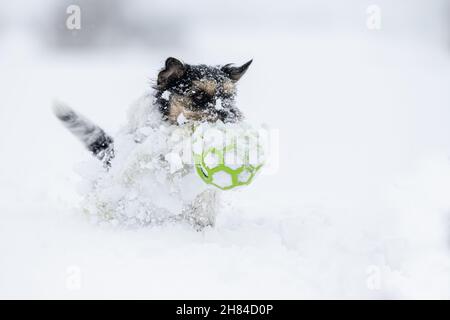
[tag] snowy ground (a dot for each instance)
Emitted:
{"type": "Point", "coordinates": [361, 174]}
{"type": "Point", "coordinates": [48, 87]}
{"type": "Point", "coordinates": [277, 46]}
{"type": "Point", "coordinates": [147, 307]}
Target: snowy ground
{"type": "Point", "coordinates": [359, 208]}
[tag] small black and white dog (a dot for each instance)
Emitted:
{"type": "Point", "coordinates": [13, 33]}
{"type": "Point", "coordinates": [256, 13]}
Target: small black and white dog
{"type": "Point", "coordinates": [194, 92]}
{"type": "Point", "coordinates": [183, 93]}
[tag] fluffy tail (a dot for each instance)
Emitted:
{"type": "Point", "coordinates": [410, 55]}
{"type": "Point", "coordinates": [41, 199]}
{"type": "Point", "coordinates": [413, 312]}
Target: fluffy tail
{"type": "Point", "coordinates": [91, 135]}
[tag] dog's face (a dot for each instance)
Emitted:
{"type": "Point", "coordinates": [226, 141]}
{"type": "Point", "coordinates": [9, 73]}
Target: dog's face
{"type": "Point", "coordinates": [199, 93]}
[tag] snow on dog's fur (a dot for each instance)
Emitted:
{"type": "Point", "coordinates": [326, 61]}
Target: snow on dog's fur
{"type": "Point", "coordinates": [144, 179]}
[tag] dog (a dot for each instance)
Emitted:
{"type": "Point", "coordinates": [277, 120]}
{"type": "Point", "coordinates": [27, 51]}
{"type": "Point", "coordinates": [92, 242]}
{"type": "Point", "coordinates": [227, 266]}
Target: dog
{"type": "Point", "coordinates": [183, 93]}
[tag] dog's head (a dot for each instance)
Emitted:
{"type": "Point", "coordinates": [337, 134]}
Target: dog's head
{"type": "Point", "coordinates": [198, 92]}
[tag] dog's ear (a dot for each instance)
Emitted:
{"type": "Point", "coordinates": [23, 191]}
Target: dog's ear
{"type": "Point", "coordinates": [235, 73]}
{"type": "Point", "coordinates": [173, 70]}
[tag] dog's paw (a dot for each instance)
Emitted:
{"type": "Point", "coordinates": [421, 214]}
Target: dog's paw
{"type": "Point", "coordinates": [201, 213]}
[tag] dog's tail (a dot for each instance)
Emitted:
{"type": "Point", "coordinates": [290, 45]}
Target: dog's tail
{"type": "Point", "coordinates": [91, 135]}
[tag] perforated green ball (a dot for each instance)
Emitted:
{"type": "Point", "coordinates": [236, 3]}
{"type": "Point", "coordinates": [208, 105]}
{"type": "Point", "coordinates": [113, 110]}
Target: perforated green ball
{"type": "Point", "coordinates": [219, 174]}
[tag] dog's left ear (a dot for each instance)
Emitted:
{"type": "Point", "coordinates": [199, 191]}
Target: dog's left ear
{"type": "Point", "coordinates": [173, 70]}
{"type": "Point", "coordinates": [235, 73]}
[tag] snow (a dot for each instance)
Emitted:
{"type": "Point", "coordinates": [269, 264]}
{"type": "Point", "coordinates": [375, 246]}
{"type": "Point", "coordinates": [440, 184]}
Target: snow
{"type": "Point", "coordinates": [218, 104]}
{"type": "Point", "coordinates": [181, 119]}
{"type": "Point", "coordinates": [244, 176]}
{"type": "Point", "coordinates": [211, 160]}
{"type": "Point", "coordinates": [222, 179]}
{"type": "Point", "coordinates": [174, 161]}
{"type": "Point", "coordinates": [358, 208]}
{"type": "Point", "coordinates": [165, 95]}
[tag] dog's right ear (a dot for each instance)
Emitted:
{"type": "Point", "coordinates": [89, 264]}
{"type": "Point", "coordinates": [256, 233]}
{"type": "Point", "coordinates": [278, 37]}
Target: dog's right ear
{"type": "Point", "coordinates": [173, 70]}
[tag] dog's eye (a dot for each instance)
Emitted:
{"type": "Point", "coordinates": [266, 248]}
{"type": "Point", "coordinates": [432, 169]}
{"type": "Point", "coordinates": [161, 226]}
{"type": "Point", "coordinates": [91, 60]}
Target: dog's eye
{"type": "Point", "coordinates": [200, 96]}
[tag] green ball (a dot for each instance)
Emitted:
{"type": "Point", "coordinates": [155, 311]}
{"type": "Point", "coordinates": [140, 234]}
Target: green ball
{"type": "Point", "coordinates": [212, 168]}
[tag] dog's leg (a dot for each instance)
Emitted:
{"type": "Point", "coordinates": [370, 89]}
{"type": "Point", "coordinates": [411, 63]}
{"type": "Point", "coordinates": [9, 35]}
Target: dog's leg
{"type": "Point", "coordinates": [202, 211]}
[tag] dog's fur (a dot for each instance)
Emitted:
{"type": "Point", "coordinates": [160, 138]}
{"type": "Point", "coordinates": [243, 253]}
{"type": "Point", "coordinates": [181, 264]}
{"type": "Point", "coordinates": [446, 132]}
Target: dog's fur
{"type": "Point", "coordinates": [183, 93]}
